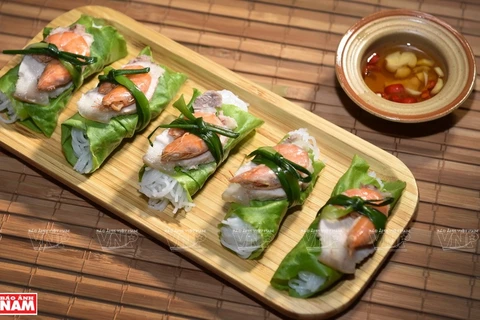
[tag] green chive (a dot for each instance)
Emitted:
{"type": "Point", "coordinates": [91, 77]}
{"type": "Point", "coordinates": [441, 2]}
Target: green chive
{"type": "Point", "coordinates": [287, 172]}
{"type": "Point", "coordinates": [75, 72]}
{"type": "Point", "coordinates": [205, 131]}
{"type": "Point", "coordinates": [364, 207]}
{"type": "Point", "coordinates": [71, 61]}
{"type": "Point", "coordinates": [196, 93]}
{"type": "Point", "coordinates": [186, 110]}
{"type": "Point", "coordinates": [51, 50]}
{"type": "Point", "coordinates": [112, 73]}
{"type": "Point", "coordinates": [143, 106]}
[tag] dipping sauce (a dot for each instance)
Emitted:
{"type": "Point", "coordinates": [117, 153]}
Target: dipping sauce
{"type": "Point", "coordinates": [403, 73]}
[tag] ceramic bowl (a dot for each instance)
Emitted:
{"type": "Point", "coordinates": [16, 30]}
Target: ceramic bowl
{"type": "Point", "coordinates": [405, 27]}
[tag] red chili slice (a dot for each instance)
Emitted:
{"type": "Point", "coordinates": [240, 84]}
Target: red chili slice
{"type": "Point", "coordinates": [373, 59]}
{"type": "Point", "coordinates": [395, 98]}
{"type": "Point", "coordinates": [394, 88]}
{"type": "Point", "coordinates": [368, 69]}
{"type": "Point", "coordinates": [425, 94]}
{"type": "Point", "coordinates": [408, 100]}
{"type": "Point", "coordinates": [431, 84]}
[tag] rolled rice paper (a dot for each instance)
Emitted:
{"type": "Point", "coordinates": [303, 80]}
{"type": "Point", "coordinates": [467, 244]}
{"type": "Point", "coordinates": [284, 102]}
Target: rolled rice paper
{"type": "Point", "coordinates": [41, 115]}
{"type": "Point", "coordinates": [87, 143]}
{"type": "Point", "coordinates": [301, 272]}
{"type": "Point", "coordinates": [177, 184]}
{"type": "Point", "coordinates": [255, 216]}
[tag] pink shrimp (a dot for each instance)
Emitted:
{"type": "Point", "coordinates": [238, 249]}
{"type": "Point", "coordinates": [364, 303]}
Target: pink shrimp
{"type": "Point", "coordinates": [187, 145]}
{"type": "Point", "coordinates": [55, 73]}
{"type": "Point", "coordinates": [361, 232]}
{"type": "Point", "coordinates": [118, 97]}
{"type": "Point", "coordinates": [262, 177]}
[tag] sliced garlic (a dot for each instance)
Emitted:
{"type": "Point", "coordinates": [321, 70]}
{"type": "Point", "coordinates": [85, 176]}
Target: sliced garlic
{"type": "Point", "coordinates": [420, 76]}
{"type": "Point", "coordinates": [439, 71]}
{"type": "Point", "coordinates": [413, 92]}
{"type": "Point", "coordinates": [425, 62]}
{"type": "Point", "coordinates": [412, 83]}
{"type": "Point", "coordinates": [410, 58]}
{"type": "Point", "coordinates": [403, 72]}
{"type": "Point", "coordinates": [399, 59]}
{"type": "Point", "coordinates": [438, 86]}
{"type": "Point", "coordinates": [421, 69]}
{"type": "Point", "coordinates": [393, 61]}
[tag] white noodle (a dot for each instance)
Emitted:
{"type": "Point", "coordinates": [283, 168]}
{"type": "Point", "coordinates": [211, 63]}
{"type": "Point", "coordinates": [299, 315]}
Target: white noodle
{"type": "Point", "coordinates": [373, 174]}
{"type": "Point", "coordinates": [81, 149]}
{"type": "Point", "coordinates": [306, 283]}
{"type": "Point", "coordinates": [6, 105]}
{"type": "Point", "coordinates": [163, 189]}
{"type": "Point", "coordinates": [240, 237]}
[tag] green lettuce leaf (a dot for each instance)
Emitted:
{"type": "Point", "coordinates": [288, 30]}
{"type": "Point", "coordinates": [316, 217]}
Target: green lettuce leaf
{"type": "Point", "coordinates": [193, 180]}
{"type": "Point", "coordinates": [108, 46]}
{"type": "Point", "coordinates": [104, 138]}
{"type": "Point", "coordinates": [304, 256]}
{"type": "Point", "coordinates": [7, 87]}
{"type": "Point", "coordinates": [357, 175]}
{"type": "Point", "coordinates": [334, 212]}
{"type": "Point", "coordinates": [266, 216]}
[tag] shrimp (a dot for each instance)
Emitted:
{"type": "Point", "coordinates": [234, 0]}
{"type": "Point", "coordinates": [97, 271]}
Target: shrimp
{"type": "Point", "coordinates": [70, 41]}
{"type": "Point", "coordinates": [187, 145]}
{"type": "Point", "coordinates": [262, 177]}
{"type": "Point", "coordinates": [118, 97]}
{"type": "Point", "coordinates": [106, 87]}
{"type": "Point", "coordinates": [55, 74]}
{"type": "Point", "coordinates": [361, 232]}
{"type": "Point", "coordinates": [347, 241]}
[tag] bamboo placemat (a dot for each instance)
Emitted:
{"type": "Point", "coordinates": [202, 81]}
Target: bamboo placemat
{"type": "Point", "coordinates": [106, 269]}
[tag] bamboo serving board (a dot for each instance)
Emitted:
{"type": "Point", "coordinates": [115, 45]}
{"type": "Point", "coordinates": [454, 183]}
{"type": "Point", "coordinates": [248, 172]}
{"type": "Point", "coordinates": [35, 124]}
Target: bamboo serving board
{"type": "Point", "coordinates": [195, 234]}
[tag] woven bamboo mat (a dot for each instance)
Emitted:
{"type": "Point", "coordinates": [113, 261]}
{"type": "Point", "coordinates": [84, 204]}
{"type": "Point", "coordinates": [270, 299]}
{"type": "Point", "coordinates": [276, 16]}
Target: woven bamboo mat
{"type": "Point", "coordinates": [86, 263]}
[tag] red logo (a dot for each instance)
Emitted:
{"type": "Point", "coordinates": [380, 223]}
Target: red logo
{"type": "Point", "coordinates": [18, 304]}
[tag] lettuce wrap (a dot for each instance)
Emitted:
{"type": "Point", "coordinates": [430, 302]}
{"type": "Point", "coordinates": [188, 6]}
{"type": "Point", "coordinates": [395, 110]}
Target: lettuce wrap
{"type": "Point", "coordinates": [255, 214]}
{"type": "Point", "coordinates": [108, 46]}
{"type": "Point", "coordinates": [177, 181]}
{"type": "Point", "coordinates": [98, 139]}
{"type": "Point", "coordinates": [301, 273]}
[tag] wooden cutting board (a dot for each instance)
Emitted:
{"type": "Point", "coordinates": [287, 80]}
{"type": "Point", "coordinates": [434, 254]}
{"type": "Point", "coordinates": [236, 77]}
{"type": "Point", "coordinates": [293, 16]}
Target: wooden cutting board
{"type": "Point", "coordinates": [114, 186]}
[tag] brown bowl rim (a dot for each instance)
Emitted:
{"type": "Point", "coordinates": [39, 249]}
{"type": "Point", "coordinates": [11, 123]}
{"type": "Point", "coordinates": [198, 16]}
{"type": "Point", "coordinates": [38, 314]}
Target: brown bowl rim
{"type": "Point", "coordinates": [459, 99]}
